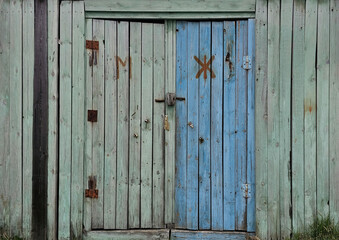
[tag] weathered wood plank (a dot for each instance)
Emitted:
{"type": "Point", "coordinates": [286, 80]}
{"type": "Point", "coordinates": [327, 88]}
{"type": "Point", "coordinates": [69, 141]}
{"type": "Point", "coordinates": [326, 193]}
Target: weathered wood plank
{"type": "Point", "coordinates": [78, 118]}
{"type": "Point", "coordinates": [147, 43]}
{"type": "Point", "coordinates": [27, 112]}
{"type": "Point", "coordinates": [98, 135]}
{"type": "Point", "coordinates": [135, 130]}
{"type": "Point", "coordinates": [177, 234]}
{"type": "Point", "coordinates": [169, 15]}
{"type": "Point", "coordinates": [310, 111]}
{"type": "Point", "coordinates": [273, 119]}
{"type": "Point", "coordinates": [123, 123]}
{"type": "Point", "coordinates": [65, 120]}
{"type": "Point", "coordinates": [261, 119]}
{"type": "Point", "coordinates": [53, 64]}
{"type": "Point", "coordinates": [170, 81]}
{"type": "Point", "coordinates": [204, 129]}
{"type": "Point", "coordinates": [240, 125]}
{"type": "Point", "coordinates": [251, 130]}
{"type": "Point", "coordinates": [285, 117]}
{"type": "Point", "coordinates": [298, 73]}
{"type": "Point", "coordinates": [158, 126]}
{"type": "Point", "coordinates": [5, 113]}
{"type": "Point", "coordinates": [128, 235]}
{"type": "Point", "coordinates": [110, 170]}
{"type": "Point", "coordinates": [217, 214]}
{"type": "Point", "coordinates": [229, 125]}
{"type": "Point", "coordinates": [192, 190]}
{"type": "Point", "coordinates": [323, 104]}
{"type": "Point", "coordinates": [87, 218]}
{"type": "Point", "coordinates": [15, 132]}
{"type": "Point", "coordinates": [334, 111]}
{"type": "Point", "coordinates": [181, 126]}
{"type": "Point", "coordinates": [171, 6]}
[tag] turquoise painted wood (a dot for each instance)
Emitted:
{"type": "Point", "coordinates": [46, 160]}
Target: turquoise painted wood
{"type": "Point", "coordinates": [215, 152]}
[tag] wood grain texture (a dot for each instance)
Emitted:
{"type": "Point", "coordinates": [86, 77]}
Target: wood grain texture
{"type": "Point", "coordinates": [323, 104]}
{"type": "Point", "coordinates": [171, 6]}
{"type": "Point", "coordinates": [285, 117]}
{"type": "Point", "coordinates": [261, 120]}
{"type": "Point", "coordinates": [98, 135]}
{"type": "Point", "coordinates": [229, 125]}
{"type": "Point", "coordinates": [273, 119]}
{"type": "Point", "coordinates": [27, 113]}
{"type": "Point", "coordinates": [65, 120]}
{"type": "Point", "coordinates": [78, 118]}
{"type": "Point", "coordinates": [53, 75]}
{"type": "Point", "coordinates": [128, 235]}
{"type": "Point", "coordinates": [206, 235]}
{"type": "Point", "coordinates": [135, 129]}
{"type": "Point", "coordinates": [110, 169]}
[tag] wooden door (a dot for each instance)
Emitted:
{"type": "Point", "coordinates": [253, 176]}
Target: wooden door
{"type": "Point", "coordinates": [125, 140]}
{"type": "Point", "coordinates": [215, 126]}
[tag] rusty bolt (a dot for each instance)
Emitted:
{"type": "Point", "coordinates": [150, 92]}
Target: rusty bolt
{"type": "Point", "coordinates": [136, 135]}
{"type": "Point", "coordinates": [147, 120]}
{"type": "Point", "coordinates": [190, 124]}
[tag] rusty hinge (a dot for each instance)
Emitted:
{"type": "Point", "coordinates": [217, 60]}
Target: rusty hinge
{"type": "Point", "coordinates": [92, 192]}
{"type": "Point", "coordinates": [94, 45]}
{"type": "Point", "coordinates": [246, 189]}
{"type": "Point", "coordinates": [247, 62]}
{"type": "Point", "coordinates": [92, 115]}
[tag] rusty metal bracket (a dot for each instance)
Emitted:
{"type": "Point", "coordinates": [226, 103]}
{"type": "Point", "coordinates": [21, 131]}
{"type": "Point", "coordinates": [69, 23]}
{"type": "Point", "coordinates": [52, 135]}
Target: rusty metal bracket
{"type": "Point", "coordinates": [92, 115]}
{"type": "Point", "coordinates": [92, 192]}
{"type": "Point", "coordinates": [247, 62]}
{"type": "Point", "coordinates": [247, 191]}
{"type": "Point", "coordinates": [170, 99]}
{"type": "Point", "coordinates": [94, 45]}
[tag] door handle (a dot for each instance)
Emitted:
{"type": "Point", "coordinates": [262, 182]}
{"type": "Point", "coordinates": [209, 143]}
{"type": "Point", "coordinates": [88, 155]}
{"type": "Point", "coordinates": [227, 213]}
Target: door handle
{"type": "Point", "coordinates": [170, 99]}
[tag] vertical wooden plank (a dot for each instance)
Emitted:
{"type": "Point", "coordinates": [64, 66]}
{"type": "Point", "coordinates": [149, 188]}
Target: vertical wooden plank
{"type": "Point", "coordinates": [181, 126]}
{"type": "Point", "coordinates": [146, 124]}
{"type": "Point", "coordinates": [65, 120]}
{"type": "Point", "coordinates": [53, 62]}
{"type": "Point", "coordinates": [310, 111]}
{"type": "Point", "coordinates": [78, 118]}
{"type": "Point", "coordinates": [204, 128]}
{"type": "Point", "coordinates": [135, 121]}
{"type": "Point", "coordinates": [273, 118]}
{"type": "Point", "coordinates": [87, 218]}
{"type": "Point", "coordinates": [98, 135]}
{"type": "Point", "coordinates": [240, 126]}
{"type": "Point", "coordinates": [110, 169]}
{"type": "Point", "coordinates": [27, 112]}
{"type": "Point", "coordinates": [158, 126]}
{"type": "Point", "coordinates": [123, 123]}
{"type": "Point", "coordinates": [285, 117]}
{"type": "Point", "coordinates": [261, 119]}
{"type": "Point", "coordinates": [229, 125]}
{"type": "Point", "coordinates": [334, 111]}
{"type": "Point", "coordinates": [323, 84]}
{"type": "Point", "coordinates": [15, 135]}
{"type": "Point", "coordinates": [298, 116]}
{"type": "Point", "coordinates": [216, 126]}
{"type": "Point", "coordinates": [5, 112]}
{"type": "Point", "coordinates": [250, 130]}
{"type": "Point", "coordinates": [170, 82]}
{"type": "Point", "coordinates": [192, 187]}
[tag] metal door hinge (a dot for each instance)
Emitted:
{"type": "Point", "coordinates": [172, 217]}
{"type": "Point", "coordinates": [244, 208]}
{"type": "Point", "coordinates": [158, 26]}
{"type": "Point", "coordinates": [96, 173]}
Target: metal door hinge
{"type": "Point", "coordinates": [247, 191]}
{"type": "Point", "coordinates": [247, 62]}
{"type": "Point", "coordinates": [92, 115]}
{"type": "Point", "coordinates": [94, 45]}
{"type": "Point", "coordinates": [92, 192]}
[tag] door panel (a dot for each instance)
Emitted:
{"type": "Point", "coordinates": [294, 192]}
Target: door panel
{"type": "Point", "coordinates": [126, 155]}
{"type": "Point", "coordinates": [213, 168]}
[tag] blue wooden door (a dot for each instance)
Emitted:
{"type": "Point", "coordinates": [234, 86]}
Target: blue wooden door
{"type": "Point", "coordinates": [215, 126]}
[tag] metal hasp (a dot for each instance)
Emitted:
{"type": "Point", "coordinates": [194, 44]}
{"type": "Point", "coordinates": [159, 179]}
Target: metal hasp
{"type": "Point", "coordinates": [92, 115]}
{"type": "Point", "coordinates": [94, 45]}
{"type": "Point", "coordinates": [92, 192]}
{"type": "Point", "coordinates": [246, 189]}
{"type": "Point", "coordinates": [170, 99]}
{"type": "Point", "coordinates": [247, 62]}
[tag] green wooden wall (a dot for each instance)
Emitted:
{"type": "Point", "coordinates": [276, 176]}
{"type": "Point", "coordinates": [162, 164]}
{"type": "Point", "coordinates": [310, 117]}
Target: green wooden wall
{"type": "Point", "coordinates": [297, 91]}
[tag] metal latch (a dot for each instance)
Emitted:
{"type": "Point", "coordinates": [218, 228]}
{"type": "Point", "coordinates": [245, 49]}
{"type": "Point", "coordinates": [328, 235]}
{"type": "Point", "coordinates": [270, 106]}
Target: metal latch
{"type": "Point", "coordinates": [170, 99]}
{"type": "Point", "coordinates": [92, 115]}
{"type": "Point", "coordinates": [94, 45]}
{"type": "Point", "coordinates": [247, 62]}
{"type": "Point", "coordinates": [92, 192]}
